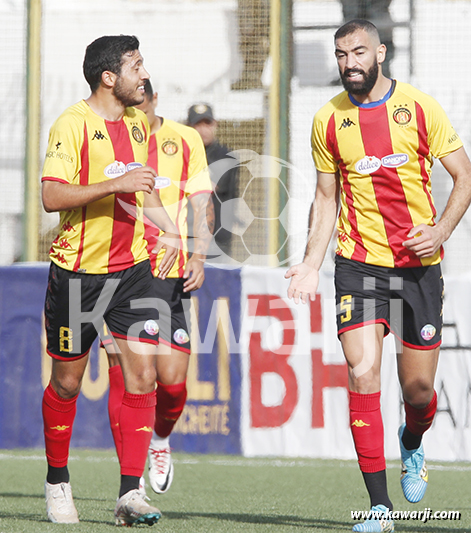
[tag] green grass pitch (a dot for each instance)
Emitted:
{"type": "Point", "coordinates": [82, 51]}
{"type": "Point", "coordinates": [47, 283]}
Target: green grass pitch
{"type": "Point", "coordinates": [226, 494]}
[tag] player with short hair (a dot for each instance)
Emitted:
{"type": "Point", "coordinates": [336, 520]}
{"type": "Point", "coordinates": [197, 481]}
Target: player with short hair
{"type": "Point", "coordinates": [373, 146]}
{"type": "Point", "coordinates": [177, 154]}
{"type": "Point", "coordinates": [95, 176]}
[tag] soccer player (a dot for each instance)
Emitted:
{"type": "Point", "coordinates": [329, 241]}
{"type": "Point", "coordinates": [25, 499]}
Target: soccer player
{"type": "Point", "coordinates": [177, 154]}
{"type": "Point", "coordinates": [95, 176]}
{"type": "Point", "coordinates": [373, 147]}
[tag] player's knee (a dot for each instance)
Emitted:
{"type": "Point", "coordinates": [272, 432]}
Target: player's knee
{"type": "Point", "coordinates": [66, 386]}
{"type": "Point", "coordinates": [418, 393]}
{"type": "Point", "coordinates": [141, 381]}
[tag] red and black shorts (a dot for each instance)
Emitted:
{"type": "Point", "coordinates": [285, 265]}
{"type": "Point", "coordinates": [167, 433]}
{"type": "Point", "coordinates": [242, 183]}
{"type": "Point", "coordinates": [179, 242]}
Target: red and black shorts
{"type": "Point", "coordinates": [174, 311]}
{"type": "Point", "coordinates": [77, 306]}
{"type": "Point", "coordinates": [408, 301]}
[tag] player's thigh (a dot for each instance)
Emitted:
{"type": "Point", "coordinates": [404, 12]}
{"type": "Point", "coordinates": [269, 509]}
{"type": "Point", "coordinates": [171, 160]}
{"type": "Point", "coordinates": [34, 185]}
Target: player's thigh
{"type": "Point", "coordinates": [66, 376]}
{"type": "Point", "coordinates": [362, 348]}
{"type": "Point", "coordinates": [138, 362]}
{"type": "Point", "coordinates": [416, 371]}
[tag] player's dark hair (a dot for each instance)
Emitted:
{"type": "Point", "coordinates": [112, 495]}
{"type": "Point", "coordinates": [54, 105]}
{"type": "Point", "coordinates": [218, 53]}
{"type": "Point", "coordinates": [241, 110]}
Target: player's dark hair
{"type": "Point", "coordinates": [354, 25]}
{"type": "Point", "coordinates": [106, 53]}
{"type": "Point", "coordinates": [148, 89]}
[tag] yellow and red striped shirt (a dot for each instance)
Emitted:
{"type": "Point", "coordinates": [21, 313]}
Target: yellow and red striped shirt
{"type": "Point", "coordinates": [384, 156]}
{"type": "Point", "coordinates": [177, 153]}
{"type": "Point", "coordinates": [108, 234]}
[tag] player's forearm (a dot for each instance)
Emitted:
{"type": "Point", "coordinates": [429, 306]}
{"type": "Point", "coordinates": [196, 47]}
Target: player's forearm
{"type": "Point", "coordinates": [58, 196]}
{"type": "Point", "coordinates": [458, 203]}
{"type": "Point", "coordinates": [155, 211]}
{"type": "Point", "coordinates": [203, 224]}
{"type": "Point", "coordinates": [322, 219]}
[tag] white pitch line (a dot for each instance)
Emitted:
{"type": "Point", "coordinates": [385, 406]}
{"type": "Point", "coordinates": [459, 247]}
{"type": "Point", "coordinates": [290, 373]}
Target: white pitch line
{"type": "Point", "coordinates": [248, 462]}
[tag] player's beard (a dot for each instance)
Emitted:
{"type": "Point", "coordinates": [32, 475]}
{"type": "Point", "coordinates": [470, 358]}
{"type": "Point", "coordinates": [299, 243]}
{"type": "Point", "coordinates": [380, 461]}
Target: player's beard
{"type": "Point", "coordinates": [127, 96]}
{"type": "Point", "coordinates": [365, 85]}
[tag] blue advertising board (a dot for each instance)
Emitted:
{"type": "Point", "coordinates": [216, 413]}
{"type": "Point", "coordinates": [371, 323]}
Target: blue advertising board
{"type": "Point", "coordinates": [211, 420]}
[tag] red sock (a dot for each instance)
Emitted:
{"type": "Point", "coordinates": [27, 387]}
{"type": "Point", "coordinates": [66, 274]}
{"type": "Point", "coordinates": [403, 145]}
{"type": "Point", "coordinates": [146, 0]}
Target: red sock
{"type": "Point", "coordinates": [170, 403]}
{"type": "Point", "coordinates": [58, 417]}
{"type": "Point", "coordinates": [115, 401]}
{"type": "Point", "coordinates": [366, 424]}
{"type": "Point", "coordinates": [136, 419]}
{"type": "Point", "coordinates": [419, 420]}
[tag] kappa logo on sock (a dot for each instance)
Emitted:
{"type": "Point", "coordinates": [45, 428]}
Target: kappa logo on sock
{"type": "Point", "coordinates": [360, 424]}
{"type": "Point", "coordinates": [60, 428]}
{"type": "Point", "coordinates": [145, 428]}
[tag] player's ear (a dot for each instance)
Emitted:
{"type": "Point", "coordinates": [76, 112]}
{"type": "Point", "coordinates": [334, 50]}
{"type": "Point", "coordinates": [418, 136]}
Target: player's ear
{"type": "Point", "coordinates": [108, 78]}
{"type": "Point", "coordinates": [381, 53]}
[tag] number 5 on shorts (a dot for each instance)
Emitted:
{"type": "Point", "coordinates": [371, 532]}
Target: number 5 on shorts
{"type": "Point", "coordinates": [346, 308]}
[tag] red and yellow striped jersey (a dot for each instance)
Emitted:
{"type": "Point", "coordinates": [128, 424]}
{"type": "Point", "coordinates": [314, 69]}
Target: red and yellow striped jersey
{"type": "Point", "coordinates": [384, 156]}
{"type": "Point", "coordinates": [108, 234]}
{"type": "Point", "coordinates": [177, 153]}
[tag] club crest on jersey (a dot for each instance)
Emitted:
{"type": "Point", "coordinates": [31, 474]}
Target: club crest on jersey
{"type": "Point", "coordinates": [402, 116]}
{"type": "Point", "coordinates": [368, 165]}
{"type": "Point", "coordinates": [161, 182]}
{"type": "Point", "coordinates": [137, 135]}
{"type": "Point", "coordinates": [394, 160]}
{"type": "Point", "coordinates": [170, 147]}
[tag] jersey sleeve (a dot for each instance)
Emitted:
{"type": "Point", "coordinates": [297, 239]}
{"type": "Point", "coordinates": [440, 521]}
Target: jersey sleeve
{"type": "Point", "coordinates": [322, 156]}
{"type": "Point", "coordinates": [62, 162]}
{"type": "Point", "coordinates": [442, 137]}
{"type": "Point", "coordinates": [198, 173]}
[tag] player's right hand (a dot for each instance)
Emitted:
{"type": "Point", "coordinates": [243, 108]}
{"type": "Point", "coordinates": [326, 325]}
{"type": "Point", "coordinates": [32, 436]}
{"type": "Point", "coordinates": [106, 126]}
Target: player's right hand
{"type": "Point", "coordinates": [304, 282]}
{"type": "Point", "coordinates": [138, 179]}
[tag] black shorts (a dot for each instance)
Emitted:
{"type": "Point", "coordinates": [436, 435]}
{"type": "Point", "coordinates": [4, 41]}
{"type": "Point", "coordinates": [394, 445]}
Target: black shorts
{"type": "Point", "coordinates": [121, 299]}
{"type": "Point", "coordinates": [408, 301]}
{"type": "Point", "coordinates": [174, 310]}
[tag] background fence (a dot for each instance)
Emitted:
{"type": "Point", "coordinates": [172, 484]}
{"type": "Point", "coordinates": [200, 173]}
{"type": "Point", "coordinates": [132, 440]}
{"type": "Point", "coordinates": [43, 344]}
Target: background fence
{"type": "Point", "coordinates": [218, 51]}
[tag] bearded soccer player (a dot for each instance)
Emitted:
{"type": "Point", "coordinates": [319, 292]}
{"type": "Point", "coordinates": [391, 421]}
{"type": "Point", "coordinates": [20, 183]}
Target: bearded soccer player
{"type": "Point", "coordinates": [177, 154]}
{"type": "Point", "coordinates": [95, 176]}
{"type": "Point", "coordinates": [373, 146]}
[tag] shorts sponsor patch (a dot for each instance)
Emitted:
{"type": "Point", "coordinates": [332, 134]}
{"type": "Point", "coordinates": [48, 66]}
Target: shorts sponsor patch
{"type": "Point", "coordinates": [181, 336]}
{"type": "Point", "coordinates": [151, 327]}
{"type": "Point", "coordinates": [428, 332]}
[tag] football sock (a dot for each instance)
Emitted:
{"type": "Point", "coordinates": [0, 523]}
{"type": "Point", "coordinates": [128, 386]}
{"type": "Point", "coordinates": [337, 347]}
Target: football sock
{"type": "Point", "coordinates": [376, 486]}
{"type": "Point", "coordinates": [128, 483]}
{"type": "Point", "coordinates": [417, 423]}
{"type": "Point", "coordinates": [136, 419]}
{"type": "Point", "coordinates": [58, 417]}
{"type": "Point", "coordinates": [170, 403]}
{"type": "Point", "coordinates": [57, 475]}
{"type": "Point", "coordinates": [366, 424]}
{"type": "Point", "coordinates": [115, 400]}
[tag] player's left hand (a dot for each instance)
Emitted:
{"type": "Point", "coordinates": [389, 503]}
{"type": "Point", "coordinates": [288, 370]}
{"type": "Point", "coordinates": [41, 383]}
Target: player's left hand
{"type": "Point", "coordinates": [170, 243]}
{"type": "Point", "coordinates": [424, 240]}
{"type": "Point", "coordinates": [194, 274]}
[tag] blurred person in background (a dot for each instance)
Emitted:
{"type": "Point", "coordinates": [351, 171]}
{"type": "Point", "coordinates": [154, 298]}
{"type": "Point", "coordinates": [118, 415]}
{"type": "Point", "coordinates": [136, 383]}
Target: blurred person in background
{"type": "Point", "coordinates": [376, 11]}
{"type": "Point", "coordinates": [225, 181]}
